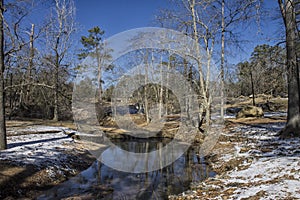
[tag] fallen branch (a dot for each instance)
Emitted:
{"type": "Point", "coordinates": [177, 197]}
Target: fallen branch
{"type": "Point", "coordinates": [25, 84]}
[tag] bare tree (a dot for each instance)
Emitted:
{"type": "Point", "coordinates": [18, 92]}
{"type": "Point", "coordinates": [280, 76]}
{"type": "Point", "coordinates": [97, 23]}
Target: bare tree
{"type": "Point", "coordinates": [205, 21]}
{"type": "Point", "coordinates": [59, 39]}
{"type": "Point", "coordinates": [204, 32]}
{"type": "Point", "coordinates": [198, 19]}
{"type": "Point", "coordinates": [18, 52]}
{"type": "Point", "coordinates": [233, 14]}
{"type": "Point", "coordinates": [3, 142]}
{"type": "Point", "coordinates": [27, 80]}
{"type": "Point", "coordinates": [222, 56]}
{"type": "Point", "coordinates": [288, 12]}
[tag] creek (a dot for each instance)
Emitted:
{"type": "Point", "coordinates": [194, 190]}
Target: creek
{"type": "Point", "coordinates": [100, 181]}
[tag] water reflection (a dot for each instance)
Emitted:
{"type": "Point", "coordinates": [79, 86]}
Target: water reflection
{"type": "Point", "coordinates": [142, 155]}
{"type": "Point", "coordinates": [102, 182]}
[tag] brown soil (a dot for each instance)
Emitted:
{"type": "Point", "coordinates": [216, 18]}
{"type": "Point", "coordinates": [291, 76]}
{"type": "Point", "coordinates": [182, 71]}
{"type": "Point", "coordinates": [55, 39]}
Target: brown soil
{"type": "Point", "coordinates": [29, 181]}
{"type": "Point", "coordinates": [30, 122]}
{"type": "Point", "coordinates": [213, 188]}
{"type": "Point", "coordinates": [253, 121]}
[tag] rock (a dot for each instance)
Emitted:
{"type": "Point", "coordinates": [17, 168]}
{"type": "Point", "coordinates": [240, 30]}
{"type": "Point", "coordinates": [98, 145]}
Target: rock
{"type": "Point", "coordinates": [233, 110]}
{"type": "Point", "coordinates": [250, 111]}
{"type": "Point", "coordinates": [268, 107]}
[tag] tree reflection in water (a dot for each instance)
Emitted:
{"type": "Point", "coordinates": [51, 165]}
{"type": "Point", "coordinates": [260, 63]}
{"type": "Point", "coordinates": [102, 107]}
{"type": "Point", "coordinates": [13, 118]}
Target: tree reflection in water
{"type": "Point", "coordinates": [173, 179]}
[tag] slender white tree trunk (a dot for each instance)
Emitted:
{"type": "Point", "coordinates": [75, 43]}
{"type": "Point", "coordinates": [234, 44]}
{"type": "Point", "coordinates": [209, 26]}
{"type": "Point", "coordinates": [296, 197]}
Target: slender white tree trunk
{"type": "Point", "coordinates": [222, 59]}
{"type": "Point", "coordinates": [3, 142]}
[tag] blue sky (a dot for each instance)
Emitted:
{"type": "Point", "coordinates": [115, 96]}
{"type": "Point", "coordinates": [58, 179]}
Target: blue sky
{"type": "Point", "coordinates": [115, 16]}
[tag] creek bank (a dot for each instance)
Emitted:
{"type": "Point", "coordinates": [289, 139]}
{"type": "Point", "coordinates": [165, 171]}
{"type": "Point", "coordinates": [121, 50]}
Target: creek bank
{"type": "Point", "coordinates": [38, 158]}
{"type": "Point", "coordinates": [252, 162]}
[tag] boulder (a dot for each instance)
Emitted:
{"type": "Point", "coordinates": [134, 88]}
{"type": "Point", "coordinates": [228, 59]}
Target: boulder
{"type": "Point", "coordinates": [269, 107]}
{"type": "Point", "coordinates": [233, 110]}
{"type": "Point", "coordinates": [250, 111]}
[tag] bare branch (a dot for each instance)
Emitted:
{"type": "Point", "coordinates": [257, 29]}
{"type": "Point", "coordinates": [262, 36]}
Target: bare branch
{"type": "Point", "coordinates": [32, 84]}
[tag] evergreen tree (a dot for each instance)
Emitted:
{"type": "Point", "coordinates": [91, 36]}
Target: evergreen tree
{"type": "Point", "coordinates": [94, 47]}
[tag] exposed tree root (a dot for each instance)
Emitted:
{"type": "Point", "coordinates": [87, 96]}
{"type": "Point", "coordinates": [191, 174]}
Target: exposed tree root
{"type": "Point", "coordinates": [292, 129]}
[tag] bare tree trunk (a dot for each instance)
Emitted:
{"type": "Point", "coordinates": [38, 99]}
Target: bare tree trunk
{"type": "Point", "coordinates": [203, 87]}
{"type": "Point", "coordinates": [293, 120]}
{"type": "Point", "coordinates": [167, 84]}
{"type": "Point", "coordinates": [222, 59]}
{"type": "Point", "coordinates": [61, 27]}
{"type": "Point", "coordinates": [145, 90]}
{"type": "Point", "coordinates": [99, 75]}
{"type": "Point", "coordinates": [252, 87]}
{"type": "Point", "coordinates": [3, 142]}
{"type": "Point", "coordinates": [186, 76]}
{"type": "Point", "coordinates": [55, 116]}
{"type": "Point", "coordinates": [11, 107]}
{"type": "Point", "coordinates": [56, 69]}
{"type": "Point", "coordinates": [161, 91]}
{"type": "Point", "coordinates": [30, 64]}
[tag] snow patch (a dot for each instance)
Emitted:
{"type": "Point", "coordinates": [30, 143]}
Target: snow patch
{"type": "Point", "coordinates": [40, 150]}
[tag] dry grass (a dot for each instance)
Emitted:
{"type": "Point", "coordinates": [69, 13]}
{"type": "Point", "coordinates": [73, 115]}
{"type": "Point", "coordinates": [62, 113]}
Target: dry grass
{"type": "Point", "coordinates": [32, 122]}
{"type": "Point", "coordinates": [265, 120]}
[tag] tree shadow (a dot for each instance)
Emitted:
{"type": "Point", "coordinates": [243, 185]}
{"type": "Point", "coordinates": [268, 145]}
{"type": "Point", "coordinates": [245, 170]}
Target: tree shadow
{"type": "Point", "coordinates": [12, 145]}
{"type": "Point", "coordinates": [277, 147]}
{"type": "Point", "coordinates": [268, 141]}
{"type": "Point", "coordinates": [20, 185]}
{"type": "Point", "coordinates": [272, 126]}
{"type": "Point", "coordinates": [30, 181]}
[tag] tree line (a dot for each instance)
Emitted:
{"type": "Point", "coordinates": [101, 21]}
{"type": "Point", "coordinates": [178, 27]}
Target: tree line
{"type": "Point", "coordinates": [263, 73]}
{"type": "Point", "coordinates": [38, 64]}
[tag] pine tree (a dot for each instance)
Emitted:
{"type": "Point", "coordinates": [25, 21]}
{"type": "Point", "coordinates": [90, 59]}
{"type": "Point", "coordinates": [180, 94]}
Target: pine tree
{"type": "Point", "coordinates": [94, 47]}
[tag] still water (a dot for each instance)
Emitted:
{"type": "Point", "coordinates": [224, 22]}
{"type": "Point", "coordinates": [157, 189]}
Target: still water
{"type": "Point", "coordinates": [102, 182]}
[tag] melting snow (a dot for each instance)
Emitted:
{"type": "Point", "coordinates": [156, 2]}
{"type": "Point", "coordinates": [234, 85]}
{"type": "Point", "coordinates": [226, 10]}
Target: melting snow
{"type": "Point", "coordinates": [276, 169]}
{"type": "Point", "coordinates": [40, 150]}
{"type": "Point", "coordinates": [270, 167]}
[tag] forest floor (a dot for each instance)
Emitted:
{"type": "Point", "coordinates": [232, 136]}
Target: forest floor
{"type": "Point", "coordinates": [40, 155]}
{"type": "Point", "coordinates": [252, 162]}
